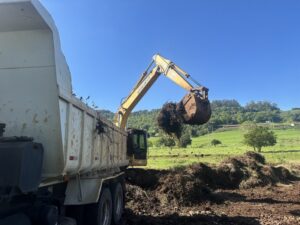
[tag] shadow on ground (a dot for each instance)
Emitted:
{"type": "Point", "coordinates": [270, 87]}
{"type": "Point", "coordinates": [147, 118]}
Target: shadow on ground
{"type": "Point", "coordinates": [295, 212]}
{"type": "Point", "coordinates": [235, 197]}
{"type": "Point", "coordinates": [175, 219]}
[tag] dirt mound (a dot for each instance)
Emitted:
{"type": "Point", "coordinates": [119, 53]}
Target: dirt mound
{"type": "Point", "coordinates": [183, 189]}
{"type": "Point", "coordinates": [169, 120]}
{"type": "Point", "coordinates": [255, 156]}
{"type": "Point", "coordinates": [176, 188]}
{"type": "Point", "coordinates": [146, 179]}
{"type": "Point", "coordinates": [136, 195]}
{"type": "Point", "coordinates": [251, 170]}
{"type": "Point", "coordinates": [194, 184]}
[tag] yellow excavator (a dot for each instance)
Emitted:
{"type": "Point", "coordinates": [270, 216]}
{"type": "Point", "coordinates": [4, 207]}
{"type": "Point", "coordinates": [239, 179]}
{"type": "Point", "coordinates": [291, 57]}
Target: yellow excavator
{"type": "Point", "coordinates": [194, 107]}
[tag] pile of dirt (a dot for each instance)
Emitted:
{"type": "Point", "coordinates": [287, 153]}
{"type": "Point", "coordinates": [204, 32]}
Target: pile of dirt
{"type": "Point", "coordinates": [141, 200]}
{"type": "Point", "coordinates": [173, 187]}
{"type": "Point", "coordinates": [196, 183]}
{"type": "Point", "coordinates": [146, 179]}
{"type": "Point", "coordinates": [170, 120]}
{"type": "Point", "coordinates": [278, 204]}
{"type": "Point", "coordinates": [246, 171]}
{"type": "Point", "coordinates": [183, 189]}
{"type": "Point", "coordinates": [250, 170]}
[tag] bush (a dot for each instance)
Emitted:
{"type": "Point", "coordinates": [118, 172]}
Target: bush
{"type": "Point", "coordinates": [248, 125]}
{"type": "Point", "coordinates": [150, 143]}
{"type": "Point", "coordinates": [185, 140]}
{"type": "Point", "coordinates": [259, 137]}
{"type": "Point", "coordinates": [215, 142]}
{"type": "Point", "coordinates": [166, 141]}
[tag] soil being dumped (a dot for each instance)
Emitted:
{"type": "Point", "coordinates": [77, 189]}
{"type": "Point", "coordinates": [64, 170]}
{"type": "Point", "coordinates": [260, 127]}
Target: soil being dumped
{"type": "Point", "coordinates": [195, 189]}
{"type": "Point", "coordinates": [192, 110]}
{"type": "Point", "coordinates": [170, 120]}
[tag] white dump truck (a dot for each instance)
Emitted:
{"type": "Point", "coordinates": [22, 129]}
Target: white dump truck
{"type": "Point", "coordinates": [59, 159]}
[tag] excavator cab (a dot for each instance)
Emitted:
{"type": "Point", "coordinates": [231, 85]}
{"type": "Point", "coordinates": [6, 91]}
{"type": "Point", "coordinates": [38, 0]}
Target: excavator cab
{"type": "Point", "coordinates": [137, 148]}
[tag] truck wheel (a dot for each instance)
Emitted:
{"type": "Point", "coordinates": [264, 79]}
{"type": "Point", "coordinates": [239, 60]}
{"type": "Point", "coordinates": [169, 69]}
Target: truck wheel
{"type": "Point", "coordinates": [76, 212]}
{"type": "Point", "coordinates": [100, 213]}
{"type": "Point", "coordinates": [118, 203]}
{"type": "Point", "coordinates": [17, 219]}
{"type": "Point", "coordinates": [67, 221]}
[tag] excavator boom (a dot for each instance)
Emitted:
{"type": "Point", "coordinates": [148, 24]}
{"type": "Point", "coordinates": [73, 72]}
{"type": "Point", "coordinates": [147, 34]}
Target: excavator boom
{"type": "Point", "coordinates": [195, 107]}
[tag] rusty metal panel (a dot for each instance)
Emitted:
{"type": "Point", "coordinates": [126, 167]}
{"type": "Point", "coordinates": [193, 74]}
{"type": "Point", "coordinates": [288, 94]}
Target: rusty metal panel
{"type": "Point", "coordinates": [75, 122]}
{"type": "Point", "coordinates": [87, 143]}
{"type": "Point", "coordinates": [84, 149]}
{"type": "Point", "coordinates": [64, 109]}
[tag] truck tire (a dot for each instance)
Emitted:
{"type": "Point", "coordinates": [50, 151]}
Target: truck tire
{"type": "Point", "coordinates": [76, 212]}
{"type": "Point", "coordinates": [101, 212]}
{"type": "Point", "coordinates": [17, 219]}
{"type": "Point", "coordinates": [118, 203]}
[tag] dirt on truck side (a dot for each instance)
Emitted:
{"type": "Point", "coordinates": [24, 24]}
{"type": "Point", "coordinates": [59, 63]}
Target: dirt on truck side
{"type": "Point", "coordinates": [241, 190]}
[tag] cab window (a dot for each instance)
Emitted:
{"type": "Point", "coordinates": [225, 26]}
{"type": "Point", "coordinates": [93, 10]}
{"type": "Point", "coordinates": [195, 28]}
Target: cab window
{"type": "Point", "coordinates": [142, 142]}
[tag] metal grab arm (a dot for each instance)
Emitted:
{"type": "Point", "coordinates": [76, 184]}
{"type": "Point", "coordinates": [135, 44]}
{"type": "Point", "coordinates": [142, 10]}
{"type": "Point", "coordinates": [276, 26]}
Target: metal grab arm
{"type": "Point", "coordinates": [159, 65]}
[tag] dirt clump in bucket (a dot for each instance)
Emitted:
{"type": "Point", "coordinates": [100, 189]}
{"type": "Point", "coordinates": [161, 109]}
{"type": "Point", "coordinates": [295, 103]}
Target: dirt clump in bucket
{"type": "Point", "coordinates": [169, 120]}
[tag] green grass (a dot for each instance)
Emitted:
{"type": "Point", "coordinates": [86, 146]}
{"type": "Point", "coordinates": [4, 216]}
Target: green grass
{"type": "Point", "coordinates": [286, 151]}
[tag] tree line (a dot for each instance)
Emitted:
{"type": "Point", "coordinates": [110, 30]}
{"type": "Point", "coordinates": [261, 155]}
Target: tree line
{"type": "Point", "coordinates": [224, 112]}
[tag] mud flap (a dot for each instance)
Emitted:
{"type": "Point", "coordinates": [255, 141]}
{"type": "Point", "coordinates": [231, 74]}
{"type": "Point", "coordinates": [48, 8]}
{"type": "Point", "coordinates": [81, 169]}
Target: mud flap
{"type": "Point", "coordinates": [83, 191]}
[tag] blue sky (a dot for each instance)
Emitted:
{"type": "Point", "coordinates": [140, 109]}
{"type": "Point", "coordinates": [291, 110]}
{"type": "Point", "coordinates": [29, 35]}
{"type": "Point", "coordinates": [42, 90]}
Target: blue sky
{"type": "Point", "coordinates": [244, 50]}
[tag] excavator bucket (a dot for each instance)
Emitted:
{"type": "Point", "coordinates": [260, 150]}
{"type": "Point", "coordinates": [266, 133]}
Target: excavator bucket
{"type": "Point", "coordinates": [194, 110]}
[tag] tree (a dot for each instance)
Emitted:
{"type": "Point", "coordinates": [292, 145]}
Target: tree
{"type": "Point", "coordinates": [248, 125]}
{"type": "Point", "coordinates": [215, 142]}
{"type": "Point", "coordinates": [185, 140]}
{"type": "Point", "coordinates": [261, 106]}
{"type": "Point", "coordinates": [167, 141]}
{"type": "Point", "coordinates": [150, 143]}
{"type": "Point", "coordinates": [259, 137]}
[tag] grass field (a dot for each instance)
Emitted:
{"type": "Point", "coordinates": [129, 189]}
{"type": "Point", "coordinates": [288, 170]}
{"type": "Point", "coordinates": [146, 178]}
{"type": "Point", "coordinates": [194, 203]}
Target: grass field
{"type": "Point", "coordinates": [286, 151]}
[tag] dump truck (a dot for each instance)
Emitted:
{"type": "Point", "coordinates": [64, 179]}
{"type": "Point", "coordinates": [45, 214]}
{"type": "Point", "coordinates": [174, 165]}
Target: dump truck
{"type": "Point", "coordinates": [61, 162]}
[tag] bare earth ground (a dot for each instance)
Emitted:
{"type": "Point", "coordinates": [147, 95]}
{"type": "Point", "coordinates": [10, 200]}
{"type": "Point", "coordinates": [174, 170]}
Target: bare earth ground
{"type": "Point", "coordinates": [266, 206]}
{"type": "Point", "coordinates": [187, 197]}
{"type": "Point", "coordinates": [274, 205]}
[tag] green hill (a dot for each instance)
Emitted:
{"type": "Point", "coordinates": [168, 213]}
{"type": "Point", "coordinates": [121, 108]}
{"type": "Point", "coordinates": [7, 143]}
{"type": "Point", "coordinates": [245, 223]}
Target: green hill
{"type": "Point", "coordinates": [224, 112]}
{"type": "Point", "coordinates": [286, 151]}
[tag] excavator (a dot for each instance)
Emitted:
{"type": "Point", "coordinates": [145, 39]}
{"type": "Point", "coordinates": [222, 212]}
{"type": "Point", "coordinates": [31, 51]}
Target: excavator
{"type": "Point", "coordinates": [194, 108]}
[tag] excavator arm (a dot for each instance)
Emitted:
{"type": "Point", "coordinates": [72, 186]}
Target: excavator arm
{"type": "Point", "coordinates": [158, 66]}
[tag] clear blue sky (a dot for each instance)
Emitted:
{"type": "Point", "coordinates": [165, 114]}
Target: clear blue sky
{"type": "Point", "coordinates": [240, 49]}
